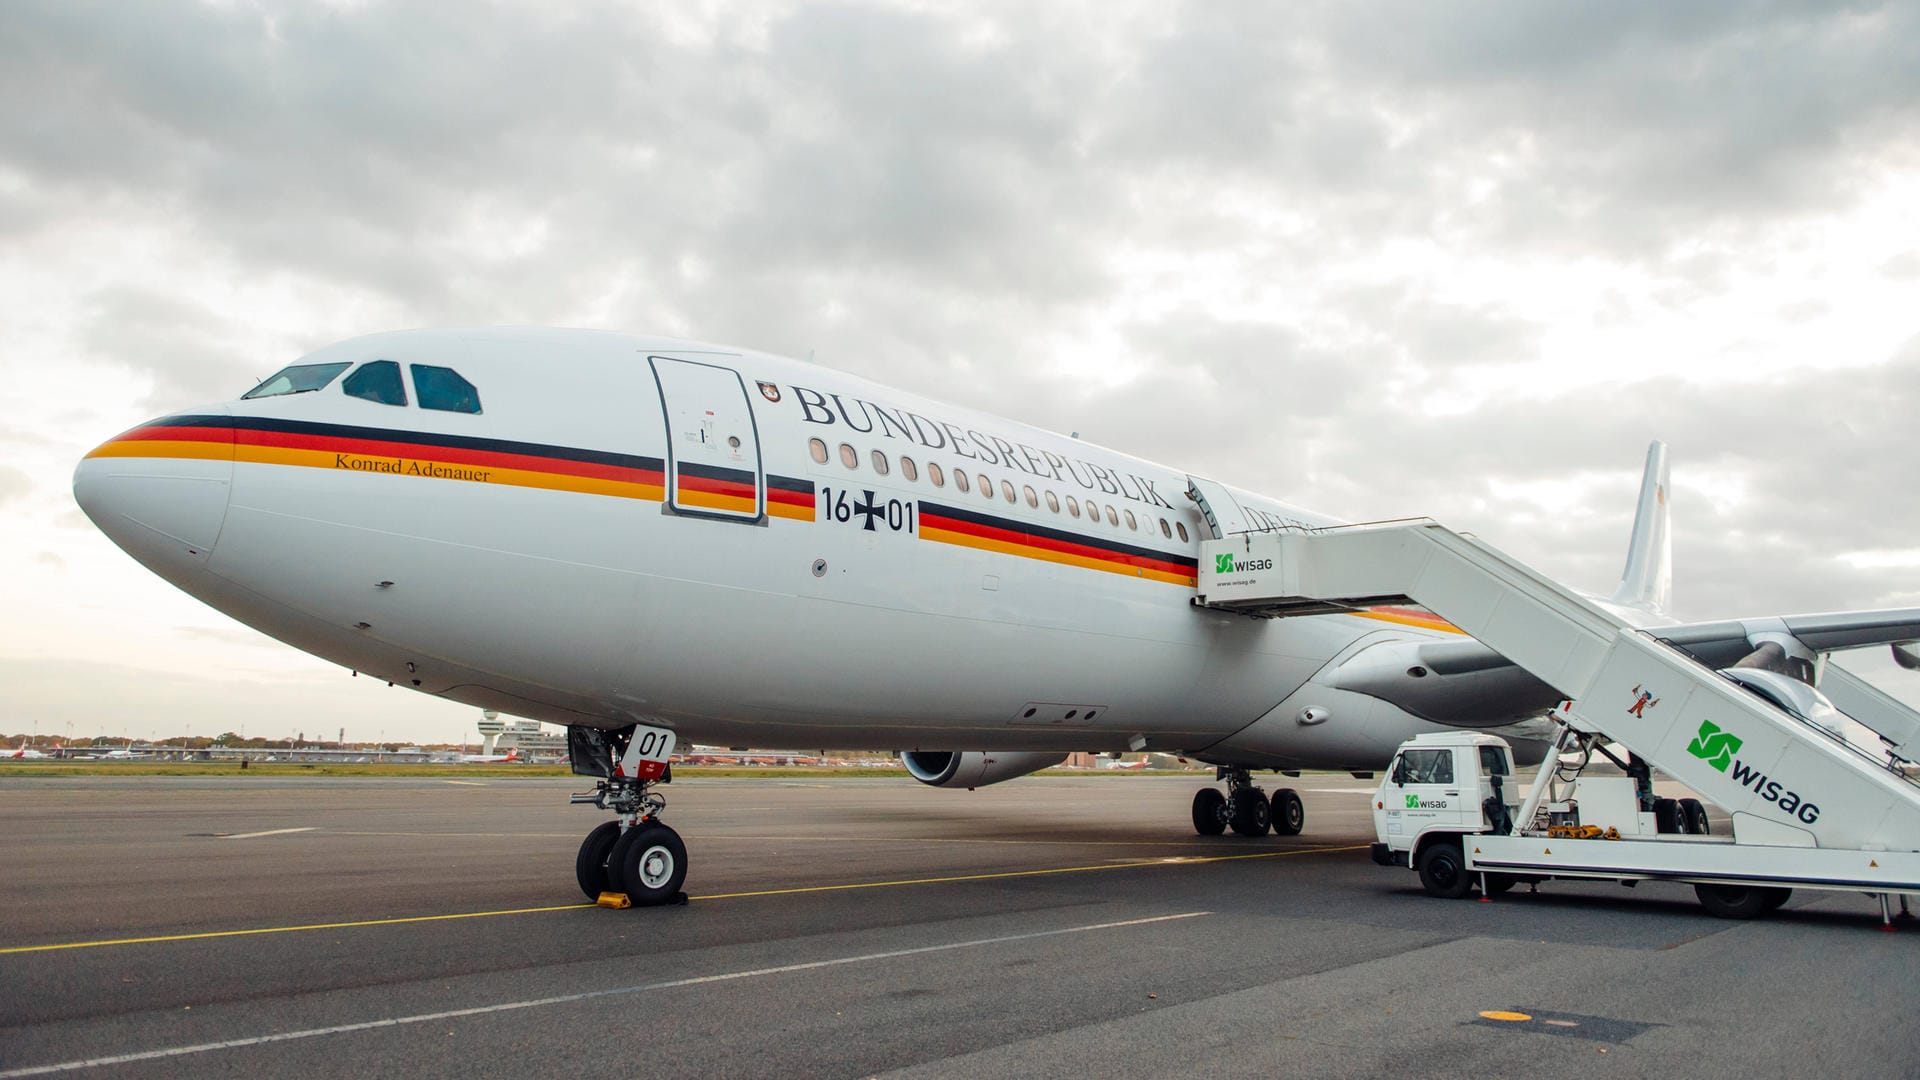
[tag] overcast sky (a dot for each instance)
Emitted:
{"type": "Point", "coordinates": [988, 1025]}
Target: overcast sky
{"type": "Point", "coordinates": [1461, 260]}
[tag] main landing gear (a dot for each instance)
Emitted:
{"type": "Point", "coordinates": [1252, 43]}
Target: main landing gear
{"type": "Point", "coordinates": [638, 854]}
{"type": "Point", "coordinates": [1246, 808]}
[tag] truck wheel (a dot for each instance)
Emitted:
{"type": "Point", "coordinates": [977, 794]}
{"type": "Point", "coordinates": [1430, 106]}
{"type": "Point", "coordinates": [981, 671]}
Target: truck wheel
{"type": "Point", "coordinates": [1666, 816]}
{"type": "Point", "coordinates": [1209, 812]}
{"type": "Point", "coordinates": [1694, 816]}
{"type": "Point", "coordinates": [1499, 883]}
{"type": "Point", "coordinates": [1732, 901]}
{"type": "Point", "coordinates": [1288, 814]}
{"type": "Point", "coordinates": [1775, 898]}
{"type": "Point", "coordinates": [1443, 870]}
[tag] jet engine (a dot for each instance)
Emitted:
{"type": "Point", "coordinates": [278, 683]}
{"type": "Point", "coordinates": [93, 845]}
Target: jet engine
{"type": "Point", "coordinates": [975, 768]}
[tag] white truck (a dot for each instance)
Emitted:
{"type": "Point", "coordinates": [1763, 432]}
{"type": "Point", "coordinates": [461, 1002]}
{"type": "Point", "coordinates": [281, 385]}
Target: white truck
{"type": "Point", "coordinates": [1449, 808]}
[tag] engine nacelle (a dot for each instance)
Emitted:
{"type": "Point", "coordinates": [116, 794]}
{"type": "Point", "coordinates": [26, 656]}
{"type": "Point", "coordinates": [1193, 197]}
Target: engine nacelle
{"type": "Point", "coordinates": [975, 768]}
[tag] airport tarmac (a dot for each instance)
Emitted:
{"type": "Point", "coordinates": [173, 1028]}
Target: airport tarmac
{"type": "Point", "coordinates": [1049, 926]}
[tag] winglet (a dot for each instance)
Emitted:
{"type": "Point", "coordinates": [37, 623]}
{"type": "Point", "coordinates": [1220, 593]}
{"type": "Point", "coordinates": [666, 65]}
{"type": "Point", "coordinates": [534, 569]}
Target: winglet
{"type": "Point", "coordinates": [1647, 581]}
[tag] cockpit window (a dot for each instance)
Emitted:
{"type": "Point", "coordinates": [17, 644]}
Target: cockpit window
{"type": "Point", "coordinates": [297, 379]}
{"type": "Point", "coordinates": [443, 388]}
{"type": "Point", "coordinates": [378, 381]}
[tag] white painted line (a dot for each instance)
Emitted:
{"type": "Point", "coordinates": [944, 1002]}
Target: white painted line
{"type": "Point", "coordinates": [564, 999]}
{"type": "Point", "coordinates": [465, 783]}
{"type": "Point", "coordinates": [269, 832]}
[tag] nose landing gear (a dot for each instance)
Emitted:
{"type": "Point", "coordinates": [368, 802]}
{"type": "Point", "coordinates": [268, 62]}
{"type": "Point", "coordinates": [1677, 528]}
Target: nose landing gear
{"type": "Point", "coordinates": [637, 855]}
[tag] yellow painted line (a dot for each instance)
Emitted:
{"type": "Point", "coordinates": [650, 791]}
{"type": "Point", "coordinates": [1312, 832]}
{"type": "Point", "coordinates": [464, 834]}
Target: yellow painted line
{"type": "Point", "coordinates": [1512, 1017]}
{"type": "Point", "coordinates": [209, 934]}
{"type": "Point", "coordinates": [282, 929]}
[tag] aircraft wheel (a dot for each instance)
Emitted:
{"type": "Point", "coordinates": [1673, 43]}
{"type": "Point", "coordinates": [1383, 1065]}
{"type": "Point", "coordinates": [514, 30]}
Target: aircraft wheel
{"type": "Point", "coordinates": [1732, 901]}
{"type": "Point", "coordinates": [1693, 816]}
{"type": "Point", "coordinates": [1443, 870]}
{"type": "Point", "coordinates": [590, 866]}
{"type": "Point", "coordinates": [649, 862]}
{"type": "Point", "coordinates": [1666, 816]}
{"type": "Point", "coordinates": [1209, 812]}
{"type": "Point", "coordinates": [1289, 816]}
{"type": "Point", "coordinates": [1248, 812]}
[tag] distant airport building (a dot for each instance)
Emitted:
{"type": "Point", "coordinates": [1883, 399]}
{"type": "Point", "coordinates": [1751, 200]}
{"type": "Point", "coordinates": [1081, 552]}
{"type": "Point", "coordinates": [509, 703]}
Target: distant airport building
{"type": "Point", "coordinates": [499, 736]}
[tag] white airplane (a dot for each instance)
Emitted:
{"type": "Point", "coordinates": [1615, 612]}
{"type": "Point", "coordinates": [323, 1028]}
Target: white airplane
{"type": "Point", "coordinates": [491, 759]}
{"type": "Point", "coordinates": [23, 753]}
{"type": "Point", "coordinates": [647, 539]}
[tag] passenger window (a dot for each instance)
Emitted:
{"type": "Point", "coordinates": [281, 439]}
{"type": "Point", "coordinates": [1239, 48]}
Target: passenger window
{"type": "Point", "coordinates": [1166, 531]}
{"type": "Point", "coordinates": [298, 379]}
{"type": "Point", "coordinates": [443, 389]}
{"type": "Point", "coordinates": [817, 450]}
{"type": "Point", "coordinates": [1093, 512]}
{"type": "Point", "coordinates": [986, 486]}
{"type": "Point", "coordinates": [1113, 519]}
{"type": "Point", "coordinates": [1006, 489]}
{"type": "Point", "coordinates": [1053, 502]}
{"type": "Point", "coordinates": [935, 474]}
{"type": "Point", "coordinates": [1181, 526]}
{"type": "Point", "coordinates": [1131, 523]}
{"type": "Point", "coordinates": [908, 469]}
{"type": "Point", "coordinates": [960, 481]}
{"type": "Point", "coordinates": [849, 456]}
{"type": "Point", "coordinates": [1428, 766]}
{"type": "Point", "coordinates": [378, 381]}
{"type": "Point", "coordinates": [1073, 506]}
{"type": "Point", "coordinates": [879, 463]}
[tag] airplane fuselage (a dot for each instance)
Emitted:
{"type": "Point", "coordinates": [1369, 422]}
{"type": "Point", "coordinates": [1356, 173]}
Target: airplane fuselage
{"type": "Point", "coordinates": [748, 549]}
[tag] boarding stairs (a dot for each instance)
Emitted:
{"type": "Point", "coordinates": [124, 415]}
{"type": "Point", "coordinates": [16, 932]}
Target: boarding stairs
{"type": "Point", "coordinates": [1763, 765]}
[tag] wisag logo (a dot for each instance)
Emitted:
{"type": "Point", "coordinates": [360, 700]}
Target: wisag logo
{"type": "Point", "coordinates": [1717, 747]}
{"type": "Point", "coordinates": [1224, 564]}
{"type": "Point", "coordinates": [1414, 802]}
{"type": "Point", "coordinates": [1713, 746]}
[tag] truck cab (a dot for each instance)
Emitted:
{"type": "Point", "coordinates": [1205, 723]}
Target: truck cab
{"type": "Point", "coordinates": [1443, 786]}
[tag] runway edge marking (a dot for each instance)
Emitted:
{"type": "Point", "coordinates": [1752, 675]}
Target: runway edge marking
{"type": "Point", "coordinates": [208, 934]}
{"type": "Point", "coordinates": [564, 999]}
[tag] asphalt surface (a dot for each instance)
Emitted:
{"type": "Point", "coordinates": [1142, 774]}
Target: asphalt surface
{"type": "Point", "coordinates": [1044, 927]}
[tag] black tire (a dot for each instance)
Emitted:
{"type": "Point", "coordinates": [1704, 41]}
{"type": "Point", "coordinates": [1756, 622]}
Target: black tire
{"type": "Point", "coordinates": [1248, 812]}
{"type": "Point", "coordinates": [1732, 901]}
{"type": "Point", "coordinates": [1693, 815]}
{"type": "Point", "coordinates": [1289, 816]}
{"type": "Point", "coordinates": [1499, 883]}
{"type": "Point", "coordinates": [1775, 898]}
{"type": "Point", "coordinates": [1666, 816]}
{"type": "Point", "coordinates": [1443, 870]}
{"type": "Point", "coordinates": [590, 866]}
{"type": "Point", "coordinates": [1209, 812]}
{"type": "Point", "coordinates": [650, 863]}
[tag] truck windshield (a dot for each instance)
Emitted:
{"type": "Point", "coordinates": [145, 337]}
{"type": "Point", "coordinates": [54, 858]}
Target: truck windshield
{"type": "Point", "coordinates": [297, 379]}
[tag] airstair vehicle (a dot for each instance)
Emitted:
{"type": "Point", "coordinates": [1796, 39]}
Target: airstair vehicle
{"type": "Point", "coordinates": [1810, 808]}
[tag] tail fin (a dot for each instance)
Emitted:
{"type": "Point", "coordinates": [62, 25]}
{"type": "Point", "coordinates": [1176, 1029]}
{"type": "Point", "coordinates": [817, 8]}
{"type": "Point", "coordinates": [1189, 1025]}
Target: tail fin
{"type": "Point", "coordinates": [1647, 581]}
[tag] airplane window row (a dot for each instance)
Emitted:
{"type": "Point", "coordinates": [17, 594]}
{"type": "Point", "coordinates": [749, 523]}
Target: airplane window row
{"type": "Point", "coordinates": [965, 484]}
{"type": "Point", "coordinates": [439, 388]}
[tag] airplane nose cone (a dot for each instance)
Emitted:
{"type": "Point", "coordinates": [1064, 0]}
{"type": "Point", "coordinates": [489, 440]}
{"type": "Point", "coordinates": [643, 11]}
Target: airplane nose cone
{"type": "Point", "coordinates": [160, 490]}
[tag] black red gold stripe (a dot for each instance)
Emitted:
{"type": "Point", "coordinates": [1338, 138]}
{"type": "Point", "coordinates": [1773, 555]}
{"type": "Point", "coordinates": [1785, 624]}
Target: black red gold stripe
{"type": "Point", "coordinates": [988, 532]}
{"type": "Point", "coordinates": [266, 440]}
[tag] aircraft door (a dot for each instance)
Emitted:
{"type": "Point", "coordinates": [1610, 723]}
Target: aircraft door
{"type": "Point", "coordinates": [1217, 506]}
{"type": "Point", "coordinates": [713, 446]}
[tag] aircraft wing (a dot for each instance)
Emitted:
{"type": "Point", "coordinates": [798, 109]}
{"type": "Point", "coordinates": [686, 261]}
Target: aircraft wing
{"type": "Point", "coordinates": [1466, 684]}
